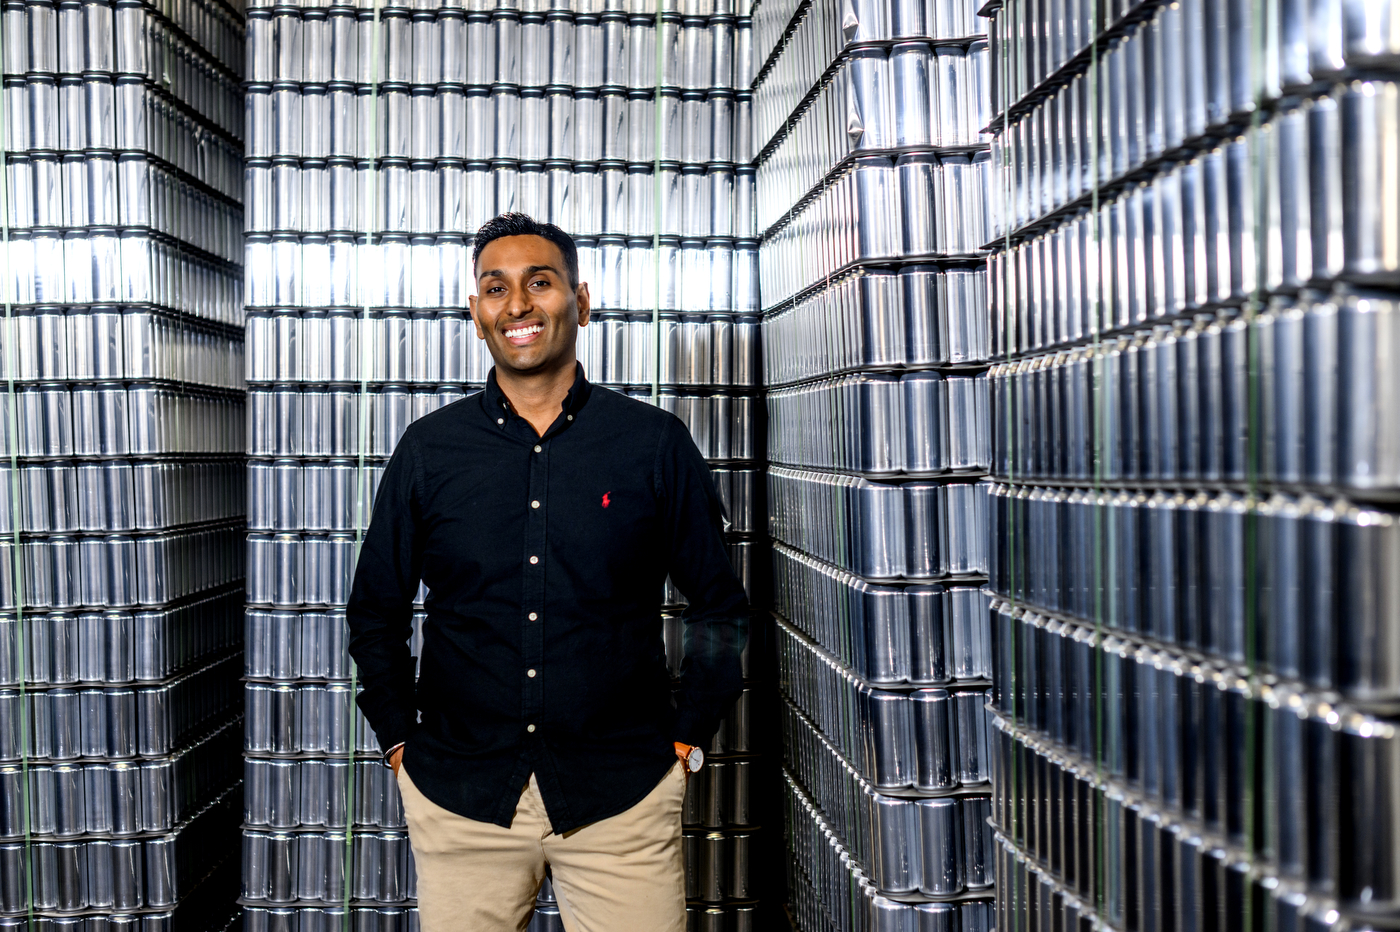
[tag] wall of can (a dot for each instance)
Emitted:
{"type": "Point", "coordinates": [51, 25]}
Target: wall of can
{"type": "Point", "coordinates": [121, 501]}
{"type": "Point", "coordinates": [380, 138]}
{"type": "Point", "coordinates": [1193, 289]}
{"type": "Point", "coordinates": [872, 171]}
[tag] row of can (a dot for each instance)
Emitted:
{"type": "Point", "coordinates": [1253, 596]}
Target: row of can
{"type": "Point", "coordinates": [1304, 799]}
{"type": "Point", "coordinates": [126, 112]}
{"type": "Point", "coordinates": [875, 211]}
{"type": "Point", "coordinates": [114, 343]}
{"type": "Point", "coordinates": [302, 718]}
{"type": "Point", "coordinates": [321, 423]}
{"type": "Point", "coordinates": [118, 798]}
{"type": "Point", "coordinates": [1171, 404]}
{"type": "Point", "coordinates": [919, 316]}
{"type": "Point", "coordinates": [1141, 865]}
{"type": "Point", "coordinates": [927, 740]}
{"type": "Point", "coordinates": [291, 645]}
{"type": "Point", "coordinates": [118, 875]}
{"type": "Point", "coordinates": [109, 265]}
{"type": "Point", "coordinates": [433, 272]}
{"type": "Point", "coordinates": [531, 49]}
{"type": "Point", "coordinates": [445, 197]}
{"type": "Point", "coordinates": [831, 891]}
{"type": "Point", "coordinates": [1193, 237]}
{"type": "Point", "coordinates": [615, 349]}
{"type": "Point", "coordinates": [65, 649]}
{"type": "Point", "coordinates": [120, 189]}
{"type": "Point", "coordinates": [881, 531]}
{"type": "Point", "coordinates": [503, 121]}
{"type": "Point", "coordinates": [915, 424]}
{"type": "Point", "coordinates": [86, 180]}
{"type": "Point", "coordinates": [700, 917]}
{"type": "Point", "coordinates": [289, 569]}
{"type": "Point", "coordinates": [116, 419]}
{"type": "Point", "coordinates": [66, 497]}
{"type": "Point", "coordinates": [309, 867]}
{"type": "Point", "coordinates": [314, 794]}
{"type": "Point", "coordinates": [885, 635]}
{"type": "Point", "coordinates": [931, 847]}
{"type": "Point", "coordinates": [913, 96]}
{"type": "Point", "coordinates": [686, 8]}
{"type": "Point", "coordinates": [120, 571]}
{"type": "Point", "coordinates": [1312, 598]}
{"type": "Point", "coordinates": [105, 36]}
{"type": "Point", "coordinates": [824, 32]}
{"type": "Point", "coordinates": [65, 723]}
{"type": "Point", "coordinates": [297, 495]}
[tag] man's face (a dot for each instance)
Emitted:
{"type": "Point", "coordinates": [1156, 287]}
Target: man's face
{"type": "Point", "coordinates": [524, 308]}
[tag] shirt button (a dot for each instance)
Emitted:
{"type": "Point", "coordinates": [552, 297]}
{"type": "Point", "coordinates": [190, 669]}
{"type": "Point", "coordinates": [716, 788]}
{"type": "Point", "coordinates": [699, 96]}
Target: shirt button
{"type": "Point", "coordinates": [530, 673]}
{"type": "Point", "coordinates": [500, 420]}
{"type": "Point", "coordinates": [534, 559]}
{"type": "Point", "coordinates": [570, 417]}
{"type": "Point", "coordinates": [533, 616]}
{"type": "Point", "coordinates": [537, 448]}
{"type": "Point", "coordinates": [529, 727]}
{"type": "Point", "coordinates": [534, 504]}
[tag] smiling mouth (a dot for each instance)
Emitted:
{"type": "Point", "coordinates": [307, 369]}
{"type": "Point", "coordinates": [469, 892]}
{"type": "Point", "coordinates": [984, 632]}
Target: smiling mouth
{"type": "Point", "coordinates": [526, 333]}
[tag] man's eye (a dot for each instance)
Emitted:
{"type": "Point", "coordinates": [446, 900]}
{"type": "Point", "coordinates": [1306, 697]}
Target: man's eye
{"type": "Point", "coordinates": [541, 283]}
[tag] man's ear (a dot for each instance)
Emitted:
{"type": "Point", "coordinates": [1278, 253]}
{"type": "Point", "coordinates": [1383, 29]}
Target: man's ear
{"type": "Point", "coordinates": [476, 322]}
{"type": "Point", "coordinates": [584, 304]}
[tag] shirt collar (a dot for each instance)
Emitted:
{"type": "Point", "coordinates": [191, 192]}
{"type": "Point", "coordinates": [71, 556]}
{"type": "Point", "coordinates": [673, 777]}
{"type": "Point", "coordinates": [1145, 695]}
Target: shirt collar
{"type": "Point", "coordinates": [573, 401]}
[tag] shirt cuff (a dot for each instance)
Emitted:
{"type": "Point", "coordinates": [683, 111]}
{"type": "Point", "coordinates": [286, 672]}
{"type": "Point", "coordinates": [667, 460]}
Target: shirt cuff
{"type": "Point", "coordinates": [390, 753]}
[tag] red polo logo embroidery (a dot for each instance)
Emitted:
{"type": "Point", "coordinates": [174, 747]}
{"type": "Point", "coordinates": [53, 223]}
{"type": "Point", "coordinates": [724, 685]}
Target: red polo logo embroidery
{"type": "Point", "coordinates": [606, 500]}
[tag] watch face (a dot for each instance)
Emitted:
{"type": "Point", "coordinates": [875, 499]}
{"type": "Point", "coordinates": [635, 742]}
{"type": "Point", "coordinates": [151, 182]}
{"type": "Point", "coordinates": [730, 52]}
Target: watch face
{"type": "Point", "coordinates": [695, 759]}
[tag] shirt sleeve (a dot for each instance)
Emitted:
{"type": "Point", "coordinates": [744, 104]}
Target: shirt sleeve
{"type": "Point", "coordinates": [380, 609]}
{"type": "Point", "coordinates": [716, 620]}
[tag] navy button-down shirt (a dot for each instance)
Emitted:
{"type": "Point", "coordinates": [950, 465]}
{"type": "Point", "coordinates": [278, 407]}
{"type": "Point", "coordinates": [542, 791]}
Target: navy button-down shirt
{"type": "Point", "coordinates": [545, 559]}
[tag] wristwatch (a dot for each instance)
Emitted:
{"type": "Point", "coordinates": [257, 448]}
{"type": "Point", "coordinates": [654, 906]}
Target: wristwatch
{"type": "Point", "coordinates": [691, 756]}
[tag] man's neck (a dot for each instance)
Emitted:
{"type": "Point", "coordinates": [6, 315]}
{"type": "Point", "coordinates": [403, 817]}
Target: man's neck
{"type": "Point", "coordinates": [539, 396]}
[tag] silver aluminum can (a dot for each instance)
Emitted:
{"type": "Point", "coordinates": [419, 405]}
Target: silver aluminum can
{"type": "Point", "coordinates": [910, 63]}
{"type": "Point", "coordinates": [941, 833]}
{"type": "Point", "coordinates": [871, 99]}
{"type": "Point", "coordinates": [919, 178]}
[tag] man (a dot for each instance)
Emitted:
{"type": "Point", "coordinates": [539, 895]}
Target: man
{"type": "Point", "coordinates": [544, 514]}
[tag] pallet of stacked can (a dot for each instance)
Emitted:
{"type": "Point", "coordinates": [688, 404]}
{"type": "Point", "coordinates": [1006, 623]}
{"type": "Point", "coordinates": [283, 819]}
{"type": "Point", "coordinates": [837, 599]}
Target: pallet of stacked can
{"type": "Point", "coordinates": [550, 109]}
{"type": "Point", "coordinates": [871, 170]}
{"type": "Point", "coordinates": [122, 492]}
{"type": "Point", "coordinates": [1192, 309]}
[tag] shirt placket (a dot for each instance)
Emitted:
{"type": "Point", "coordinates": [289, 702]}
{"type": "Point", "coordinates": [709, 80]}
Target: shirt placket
{"type": "Point", "coordinates": [532, 597]}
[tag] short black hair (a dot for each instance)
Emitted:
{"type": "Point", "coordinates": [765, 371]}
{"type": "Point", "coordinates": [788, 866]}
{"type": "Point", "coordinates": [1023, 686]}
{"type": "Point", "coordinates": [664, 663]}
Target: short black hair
{"type": "Point", "coordinates": [518, 224]}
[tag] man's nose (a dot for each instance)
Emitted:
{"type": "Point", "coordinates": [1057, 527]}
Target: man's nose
{"type": "Point", "coordinates": [519, 303]}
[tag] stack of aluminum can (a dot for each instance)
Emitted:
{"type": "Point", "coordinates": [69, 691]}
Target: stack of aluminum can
{"type": "Point", "coordinates": [380, 137]}
{"type": "Point", "coordinates": [1195, 289]}
{"type": "Point", "coordinates": [121, 499]}
{"type": "Point", "coordinates": [871, 176]}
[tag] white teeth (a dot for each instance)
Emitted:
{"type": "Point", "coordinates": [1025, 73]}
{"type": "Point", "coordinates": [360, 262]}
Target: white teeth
{"type": "Point", "coordinates": [524, 331]}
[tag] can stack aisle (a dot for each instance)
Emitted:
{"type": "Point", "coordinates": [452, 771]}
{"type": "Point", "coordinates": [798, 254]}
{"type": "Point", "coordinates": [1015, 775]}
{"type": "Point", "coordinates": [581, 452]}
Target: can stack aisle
{"type": "Point", "coordinates": [381, 136]}
{"type": "Point", "coordinates": [871, 169]}
{"type": "Point", "coordinates": [121, 499]}
{"type": "Point", "coordinates": [1196, 290]}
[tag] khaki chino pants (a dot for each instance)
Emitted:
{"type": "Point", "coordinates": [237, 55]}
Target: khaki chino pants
{"type": "Point", "coordinates": [620, 874]}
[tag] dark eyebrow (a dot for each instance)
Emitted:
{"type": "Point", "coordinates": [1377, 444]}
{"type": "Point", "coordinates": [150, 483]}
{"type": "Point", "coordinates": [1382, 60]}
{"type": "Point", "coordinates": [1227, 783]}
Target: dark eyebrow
{"type": "Point", "coordinates": [529, 270]}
